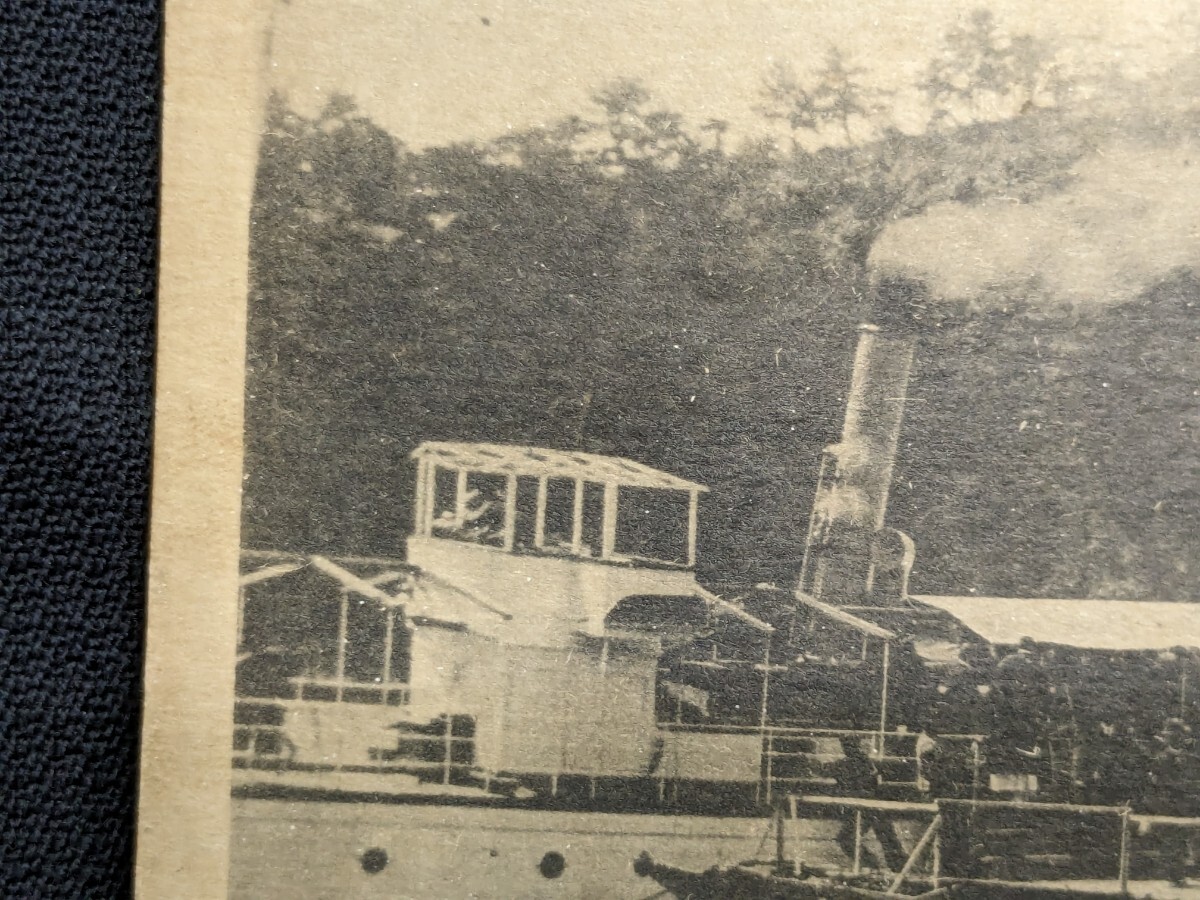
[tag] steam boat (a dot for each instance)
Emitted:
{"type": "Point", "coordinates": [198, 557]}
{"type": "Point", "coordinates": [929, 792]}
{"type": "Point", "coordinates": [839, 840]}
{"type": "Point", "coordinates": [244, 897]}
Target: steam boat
{"type": "Point", "coordinates": [539, 691]}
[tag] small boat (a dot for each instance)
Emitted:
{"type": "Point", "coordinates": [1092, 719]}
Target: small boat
{"type": "Point", "coordinates": [782, 878]}
{"type": "Point", "coordinates": [765, 881]}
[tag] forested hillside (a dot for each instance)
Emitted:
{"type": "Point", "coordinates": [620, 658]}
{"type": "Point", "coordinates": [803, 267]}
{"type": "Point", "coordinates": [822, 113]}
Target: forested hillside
{"type": "Point", "coordinates": [629, 282]}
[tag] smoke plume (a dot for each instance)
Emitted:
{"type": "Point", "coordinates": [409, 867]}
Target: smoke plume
{"type": "Point", "coordinates": [1128, 218]}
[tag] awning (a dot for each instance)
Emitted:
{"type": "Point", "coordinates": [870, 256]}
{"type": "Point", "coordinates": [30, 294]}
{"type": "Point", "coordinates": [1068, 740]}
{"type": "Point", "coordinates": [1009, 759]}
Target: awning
{"type": "Point", "coordinates": [351, 582]}
{"type": "Point", "coordinates": [723, 607]}
{"type": "Point", "coordinates": [848, 619]}
{"type": "Point", "coordinates": [268, 572]}
{"type": "Point", "coordinates": [1087, 624]}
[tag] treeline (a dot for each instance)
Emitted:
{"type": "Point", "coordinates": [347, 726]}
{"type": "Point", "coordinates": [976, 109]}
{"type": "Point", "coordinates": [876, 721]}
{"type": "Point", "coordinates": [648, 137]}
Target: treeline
{"type": "Point", "coordinates": [626, 282]}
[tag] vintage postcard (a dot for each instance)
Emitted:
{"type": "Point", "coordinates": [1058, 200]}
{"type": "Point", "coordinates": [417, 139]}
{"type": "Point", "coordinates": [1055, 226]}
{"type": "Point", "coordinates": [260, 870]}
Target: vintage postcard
{"type": "Point", "coordinates": [707, 449]}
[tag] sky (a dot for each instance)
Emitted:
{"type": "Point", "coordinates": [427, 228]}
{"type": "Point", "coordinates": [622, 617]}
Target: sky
{"type": "Point", "coordinates": [436, 71]}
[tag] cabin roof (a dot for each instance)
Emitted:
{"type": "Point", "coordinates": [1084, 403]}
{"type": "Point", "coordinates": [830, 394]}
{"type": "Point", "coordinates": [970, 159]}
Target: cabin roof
{"type": "Point", "coordinates": [513, 459]}
{"type": "Point", "coordinates": [1086, 624]}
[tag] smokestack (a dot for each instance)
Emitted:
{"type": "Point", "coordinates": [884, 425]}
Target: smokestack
{"type": "Point", "coordinates": [850, 506]}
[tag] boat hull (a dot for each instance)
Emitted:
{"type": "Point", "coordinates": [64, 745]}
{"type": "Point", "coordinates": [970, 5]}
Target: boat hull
{"type": "Point", "coordinates": [306, 848]}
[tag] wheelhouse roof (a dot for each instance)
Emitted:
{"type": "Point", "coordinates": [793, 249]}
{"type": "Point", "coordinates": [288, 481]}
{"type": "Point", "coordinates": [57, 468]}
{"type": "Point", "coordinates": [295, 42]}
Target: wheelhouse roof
{"type": "Point", "coordinates": [513, 459]}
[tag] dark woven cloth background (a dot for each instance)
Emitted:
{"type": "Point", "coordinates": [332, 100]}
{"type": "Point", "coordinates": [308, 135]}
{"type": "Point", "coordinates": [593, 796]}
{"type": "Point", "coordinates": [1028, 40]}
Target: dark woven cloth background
{"type": "Point", "coordinates": [79, 99]}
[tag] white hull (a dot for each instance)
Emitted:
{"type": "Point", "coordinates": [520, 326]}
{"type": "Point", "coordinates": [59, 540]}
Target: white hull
{"type": "Point", "coordinates": [315, 849]}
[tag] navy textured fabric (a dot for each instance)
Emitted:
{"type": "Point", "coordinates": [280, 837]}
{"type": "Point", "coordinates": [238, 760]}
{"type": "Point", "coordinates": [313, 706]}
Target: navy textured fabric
{"type": "Point", "coordinates": [80, 104]}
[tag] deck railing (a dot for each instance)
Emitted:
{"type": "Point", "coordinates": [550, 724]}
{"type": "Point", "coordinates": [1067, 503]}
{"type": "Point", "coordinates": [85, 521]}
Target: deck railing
{"type": "Point", "coordinates": [344, 690]}
{"type": "Point", "coordinates": [802, 758]}
{"type": "Point", "coordinates": [997, 843]}
{"type": "Point", "coordinates": [259, 733]}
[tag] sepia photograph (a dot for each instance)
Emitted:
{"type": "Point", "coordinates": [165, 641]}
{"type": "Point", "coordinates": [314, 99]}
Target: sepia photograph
{"type": "Point", "coordinates": [716, 449]}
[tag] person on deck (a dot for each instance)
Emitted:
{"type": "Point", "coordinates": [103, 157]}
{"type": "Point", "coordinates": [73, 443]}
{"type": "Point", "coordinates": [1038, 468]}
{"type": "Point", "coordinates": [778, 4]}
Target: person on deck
{"type": "Point", "coordinates": [857, 776]}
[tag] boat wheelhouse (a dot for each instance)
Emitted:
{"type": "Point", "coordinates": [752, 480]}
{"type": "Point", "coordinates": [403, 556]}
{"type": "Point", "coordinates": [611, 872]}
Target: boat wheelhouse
{"type": "Point", "coordinates": [522, 634]}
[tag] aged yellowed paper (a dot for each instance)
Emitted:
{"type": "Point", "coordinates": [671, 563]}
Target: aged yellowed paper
{"type": "Point", "coordinates": [212, 120]}
{"type": "Point", "coordinates": [730, 448]}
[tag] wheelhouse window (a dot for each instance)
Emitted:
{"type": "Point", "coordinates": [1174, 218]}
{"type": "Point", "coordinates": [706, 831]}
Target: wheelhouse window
{"type": "Point", "coordinates": [470, 506]}
{"type": "Point", "coordinates": [555, 502]}
{"type": "Point", "coordinates": [653, 525]}
{"type": "Point", "coordinates": [558, 526]}
{"type": "Point", "coordinates": [593, 522]}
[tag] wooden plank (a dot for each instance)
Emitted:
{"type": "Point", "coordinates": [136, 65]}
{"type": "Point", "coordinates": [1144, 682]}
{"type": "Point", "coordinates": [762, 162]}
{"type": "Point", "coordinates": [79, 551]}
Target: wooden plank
{"type": "Point", "coordinates": [915, 856]}
{"type": "Point", "coordinates": [1174, 821]}
{"type": "Point", "coordinates": [892, 806]}
{"type": "Point", "coordinates": [1033, 805]}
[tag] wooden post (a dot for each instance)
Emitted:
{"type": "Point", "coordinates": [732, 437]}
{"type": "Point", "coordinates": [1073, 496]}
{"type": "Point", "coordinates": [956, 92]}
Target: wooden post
{"type": "Point", "coordinates": [603, 656]}
{"type": "Point", "coordinates": [448, 743]}
{"type": "Point", "coordinates": [343, 623]}
{"type": "Point", "coordinates": [812, 521]}
{"type": "Point", "coordinates": [608, 542]}
{"type": "Point", "coordinates": [935, 865]}
{"type": "Point", "coordinates": [883, 703]}
{"type": "Point", "coordinates": [918, 764]}
{"type": "Point", "coordinates": [241, 617]}
{"type": "Point", "coordinates": [780, 842]}
{"type": "Point", "coordinates": [419, 496]}
{"type": "Point", "coordinates": [539, 525]}
{"type": "Point", "coordinates": [577, 519]}
{"type": "Point", "coordinates": [976, 765]}
{"type": "Point", "coordinates": [430, 496]}
{"type": "Point", "coordinates": [858, 839]}
{"type": "Point", "coordinates": [766, 743]}
{"type": "Point", "coordinates": [510, 512]}
{"type": "Point", "coordinates": [693, 521]}
{"type": "Point", "coordinates": [460, 499]}
{"type": "Point", "coordinates": [388, 637]}
{"type": "Point", "coordinates": [1123, 864]}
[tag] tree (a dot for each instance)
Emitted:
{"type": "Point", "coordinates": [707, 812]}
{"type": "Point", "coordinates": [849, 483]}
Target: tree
{"type": "Point", "coordinates": [840, 96]}
{"type": "Point", "coordinates": [983, 74]}
{"type": "Point", "coordinates": [639, 136]}
{"type": "Point", "coordinates": [786, 99]}
{"type": "Point", "coordinates": [835, 97]}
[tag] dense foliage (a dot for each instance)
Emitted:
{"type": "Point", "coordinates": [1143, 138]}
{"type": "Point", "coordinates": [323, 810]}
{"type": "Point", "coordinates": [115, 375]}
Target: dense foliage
{"type": "Point", "coordinates": [626, 283]}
